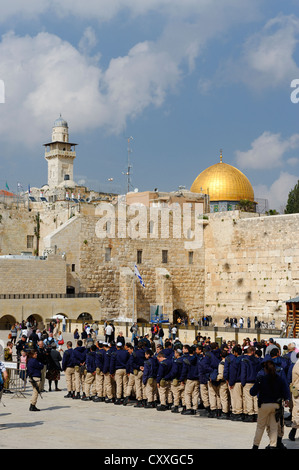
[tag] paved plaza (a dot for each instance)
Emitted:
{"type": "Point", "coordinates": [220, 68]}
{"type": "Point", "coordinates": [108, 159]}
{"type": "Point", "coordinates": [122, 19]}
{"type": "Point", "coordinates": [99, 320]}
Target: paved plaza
{"type": "Point", "coordinates": [74, 424]}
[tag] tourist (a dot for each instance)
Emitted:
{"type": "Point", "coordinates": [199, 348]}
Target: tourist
{"type": "Point", "coordinates": [53, 367]}
{"type": "Point", "coordinates": [34, 368]}
{"type": "Point", "coordinates": [270, 389]}
{"type": "Point", "coordinates": [14, 333]}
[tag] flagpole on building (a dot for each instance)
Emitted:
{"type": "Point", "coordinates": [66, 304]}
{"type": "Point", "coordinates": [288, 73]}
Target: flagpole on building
{"type": "Point", "coordinates": [133, 313]}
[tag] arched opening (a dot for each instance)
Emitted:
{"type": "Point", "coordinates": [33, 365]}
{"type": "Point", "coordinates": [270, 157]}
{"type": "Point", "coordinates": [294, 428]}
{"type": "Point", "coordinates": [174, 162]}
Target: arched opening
{"type": "Point", "coordinates": [35, 321]}
{"type": "Point", "coordinates": [70, 290]}
{"type": "Point", "coordinates": [6, 322]}
{"type": "Point", "coordinates": [180, 316]}
{"type": "Point", "coordinates": [85, 316]}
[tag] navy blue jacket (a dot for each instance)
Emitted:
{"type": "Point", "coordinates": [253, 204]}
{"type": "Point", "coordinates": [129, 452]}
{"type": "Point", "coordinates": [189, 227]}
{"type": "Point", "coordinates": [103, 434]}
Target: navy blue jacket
{"type": "Point", "coordinates": [269, 391]}
{"type": "Point", "coordinates": [34, 367]}
{"type": "Point", "coordinates": [79, 355]}
{"type": "Point", "coordinates": [190, 369]}
{"type": "Point", "coordinates": [227, 363]}
{"type": "Point", "coordinates": [68, 359]}
{"type": "Point", "coordinates": [235, 370]}
{"type": "Point", "coordinates": [149, 370]}
{"type": "Point", "coordinates": [106, 362]}
{"type": "Point", "coordinates": [138, 358]}
{"type": "Point", "coordinates": [169, 352]}
{"type": "Point", "coordinates": [100, 358]}
{"type": "Point", "coordinates": [209, 364]}
{"type": "Point", "coordinates": [119, 360]}
{"type": "Point", "coordinates": [250, 366]}
{"type": "Point", "coordinates": [176, 369]}
{"type": "Point", "coordinates": [164, 370]}
{"type": "Point", "coordinates": [91, 362]}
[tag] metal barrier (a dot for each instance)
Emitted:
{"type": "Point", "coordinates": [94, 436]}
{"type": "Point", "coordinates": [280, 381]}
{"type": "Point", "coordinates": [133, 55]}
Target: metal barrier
{"type": "Point", "coordinates": [16, 379]}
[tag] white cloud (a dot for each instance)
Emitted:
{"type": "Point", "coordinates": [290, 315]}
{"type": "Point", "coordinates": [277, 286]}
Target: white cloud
{"type": "Point", "coordinates": [267, 151]}
{"type": "Point", "coordinates": [278, 192]}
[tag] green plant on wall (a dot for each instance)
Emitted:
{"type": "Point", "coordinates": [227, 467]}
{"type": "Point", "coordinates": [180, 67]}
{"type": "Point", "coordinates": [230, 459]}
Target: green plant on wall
{"type": "Point", "coordinates": [37, 232]}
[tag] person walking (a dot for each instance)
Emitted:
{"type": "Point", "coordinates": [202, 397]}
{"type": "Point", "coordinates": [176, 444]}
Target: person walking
{"type": "Point", "coordinates": [34, 372]}
{"type": "Point", "coordinates": [54, 367]}
{"type": "Point", "coordinates": [270, 388]}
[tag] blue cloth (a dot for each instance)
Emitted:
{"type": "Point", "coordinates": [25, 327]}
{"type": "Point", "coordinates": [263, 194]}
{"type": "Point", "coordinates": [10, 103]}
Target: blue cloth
{"type": "Point", "coordinates": [250, 366]}
{"type": "Point", "coordinates": [164, 370]}
{"type": "Point", "coordinates": [68, 359]}
{"type": "Point", "coordinates": [119, 360]}
{"type": "Point", "coordinates": [190, 368]}
{"type": "Point", "coordinates": [91, 362]}
{"type": "Point", "coordinates": [79, 355]}
{"type": "Point", "coordinates": [34, 367]}
{"type": "Point", "coordinates": [269, 391]}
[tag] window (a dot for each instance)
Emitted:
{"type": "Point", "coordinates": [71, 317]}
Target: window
{"type": "Point", "coordinates": [164, 256]}
{"type": "Point", "coordinates": [107, 254]}
{"type": "Point", "coordinates": [30, 241]}
{"type": "Point", "coordinates": [73, 268]}
{"type": "Point", "coordinates": [190, 257]}
{"type": "Point", "coordinates": [139, 256]}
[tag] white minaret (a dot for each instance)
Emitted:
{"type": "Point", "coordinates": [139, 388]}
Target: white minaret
{"type": "Point", "coordinates": [60, 155]}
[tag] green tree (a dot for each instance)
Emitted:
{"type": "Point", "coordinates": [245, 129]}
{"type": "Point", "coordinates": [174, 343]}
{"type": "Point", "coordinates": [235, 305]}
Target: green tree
{"type": "Point", "coordinates": [292, 206]}
{"type": "Point", "coordinates": [245, 205]}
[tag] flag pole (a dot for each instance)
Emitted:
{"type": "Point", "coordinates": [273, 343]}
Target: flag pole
{"type": "Point", "coordinates": [133, 313]}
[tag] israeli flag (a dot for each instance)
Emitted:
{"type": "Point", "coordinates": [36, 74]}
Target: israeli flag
{"type": "Point", "coordinates": [137, 273]}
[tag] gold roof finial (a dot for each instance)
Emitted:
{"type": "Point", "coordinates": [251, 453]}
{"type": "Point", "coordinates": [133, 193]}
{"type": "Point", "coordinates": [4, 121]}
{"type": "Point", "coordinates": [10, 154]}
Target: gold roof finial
{"type": "Point", "coordinates": [220, 155]}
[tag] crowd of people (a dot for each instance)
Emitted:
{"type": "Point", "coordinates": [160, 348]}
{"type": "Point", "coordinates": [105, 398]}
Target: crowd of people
{"type": "Point", "coordinates": [248, 382]}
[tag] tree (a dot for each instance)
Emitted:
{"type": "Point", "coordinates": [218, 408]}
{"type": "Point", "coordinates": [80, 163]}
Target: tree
{"type": "Point", "coordinates": [292, 206]}
{"type": "Point", "coordinates": [272, 212]}
{"type": "Point", "coordinates": [37, 232]}
{"type": "Point", "coordinates": [245, 205]}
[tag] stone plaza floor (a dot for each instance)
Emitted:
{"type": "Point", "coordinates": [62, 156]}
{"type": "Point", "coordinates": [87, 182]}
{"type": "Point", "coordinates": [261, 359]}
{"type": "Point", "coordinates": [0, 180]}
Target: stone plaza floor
{"type": "Point", "coordinates": [64, 423]}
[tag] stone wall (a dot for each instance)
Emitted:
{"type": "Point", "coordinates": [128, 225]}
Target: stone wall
{"type": "Point", "coordinates": [251, 265]}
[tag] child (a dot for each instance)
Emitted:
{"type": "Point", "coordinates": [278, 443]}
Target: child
{"type": "Point", "coordinates": [23, 366]}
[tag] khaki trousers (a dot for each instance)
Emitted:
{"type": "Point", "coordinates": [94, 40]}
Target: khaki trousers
{"type": "Point", "coordinates": [43, 377]}
{"type": "Point", "coordinates": [204, 395]}
{"type": "Point", "coordinates": [224, 397]}
{"type": "Point", "coordinates": [151, 391]}
{"type": "Point", "coordinates": [131, 389]}
{"type": "Point", "coordinates": [70, 379]}
{"type": "Point", "coordinates": [266, 417]}
{"type": "Point", "coordinates": [108, 385]}
{"type": "Point", "coordinates": [100, 384]}
{"type": "Point", "coordinates": [79, 380]}
{"type": "Point", "coordinates": [121, 380]}
{"type": "Point", "coordinates": [236, 396]}
{"type": "Point", "coordinates": [178, 392]}
{"type": "Point", "coordinates": [165, 394]}
{"type": "Point", "coordinates": [250, 402]}
{"type": "Point", "coordinates": [191, 394]}
{"type": "Point", "coordinates": [140, 389]}
{"type": "Point", "coordinates": [89, 380]}
{"type": "Point", "coordinates": [295, 412]}
{"type": "Point", "coordinates": [214, 396]}
{"type": "Point", "coordinates": [34, 396]}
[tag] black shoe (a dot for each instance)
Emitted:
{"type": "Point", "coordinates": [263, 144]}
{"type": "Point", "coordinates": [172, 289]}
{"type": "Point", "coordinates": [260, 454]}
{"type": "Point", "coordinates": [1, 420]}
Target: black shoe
{"type": "Point", "coordinates": [69, 395]}
{"type": "Point", "coordinates": [249, 419]}
{"type": "Point", "coordinates": [235, 417]}
{"type": "Point", "coordinates": [33, 408]}
{"type": "Point", "coordinates": [204, 413]}
{"type": "Point", "coordinates": [139, 404]}
{"type": "Point", "coordinates": [97, 399]}
{"type": "Point", "coordinates": [292, 434]}
{"type": "Point", "coordinates": [255, 446]}
{"type": "Point", "coordinates": [175, 409]}
{"type": "Point", "coordinates": [212, 414]}
{"type": "Point", "coordinates": [109, 400]}
{"type": "Point", "coordinates": [223, 416]}
{"type": "Point", "coordinates": [86, 398]}
{"type": "Point", "coordinates": [150, 404]}
{"type": "Point", "coordinates": [77, 396]}
{"type": "Point", "coordinates": [126, 401]}
{"type": "Point", "coordinates": [188, 412]}
{"type": "Point", "coordinates": [162, 408]}
{"type": "Point", "coordinates": [117, 401]}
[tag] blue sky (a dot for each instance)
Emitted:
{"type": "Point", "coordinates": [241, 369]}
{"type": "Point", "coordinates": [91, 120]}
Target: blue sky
{"type": "Point", "coordinates": [183, 78]}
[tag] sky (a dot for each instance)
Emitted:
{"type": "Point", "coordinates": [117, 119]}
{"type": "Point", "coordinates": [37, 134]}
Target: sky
{"type": "Point", "coordinates": [180, 79]}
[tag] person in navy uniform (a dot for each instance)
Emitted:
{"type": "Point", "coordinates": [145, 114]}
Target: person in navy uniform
{"type": "Point", "coordinates": [270, 388]}
{"type": "Point", "coordinates": [118, 364]}
{"type": "Point", "coordinates": [90, 371]}
{"type": "Point", "coordinates": [149, 379]}
{"type": "Point", "coordinates": [108, 389]}
{"type": "Point", "coordinates": [163, 381]}
{"type": "Point", "coordinates": [191, 380]}
{"type": "Point", "coordinates": [99, 381]}
{"type": "Point", "coordinates": [79, 361]}
{"type": "Point", "coordinates": [130, 374]}
{"type": "Point", "coordinates": [177, 386]}
{"type": "Point", "coordinates": [34, 372]}
{"type": "Point", "coordinates": [68, 366]}
{"type": "Point", "coordinates": [235, 386]}
{"type": "Point", "coordinates": [138, 362]}
{"type": "Point", "coordinates": [209, 366]}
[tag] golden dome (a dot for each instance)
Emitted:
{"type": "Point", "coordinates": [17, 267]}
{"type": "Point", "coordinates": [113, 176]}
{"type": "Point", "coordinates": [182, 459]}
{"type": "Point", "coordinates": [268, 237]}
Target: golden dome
{"type": "Point", "coordinates": [223, 182]}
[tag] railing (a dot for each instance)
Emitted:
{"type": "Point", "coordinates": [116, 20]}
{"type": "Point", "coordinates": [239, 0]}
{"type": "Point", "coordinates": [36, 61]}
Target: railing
{"type": "Point", "coordinates": [49, 296]}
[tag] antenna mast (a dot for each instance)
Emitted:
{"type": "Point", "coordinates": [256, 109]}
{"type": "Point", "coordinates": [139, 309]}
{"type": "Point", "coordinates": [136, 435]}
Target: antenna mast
{"type": "Point", "coordinates": [129, 165]}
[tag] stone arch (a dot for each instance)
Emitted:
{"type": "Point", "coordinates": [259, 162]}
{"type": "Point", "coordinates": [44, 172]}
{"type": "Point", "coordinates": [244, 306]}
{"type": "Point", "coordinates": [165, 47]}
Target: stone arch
{"type": "Point", "coordinates": [36, 319]}
{"type": "Point", "coordinates": [6, 322]}
{"type": "Point", "coordinates": [85, 316]}
{"type": "Point", "coordinates": [179, 313]}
